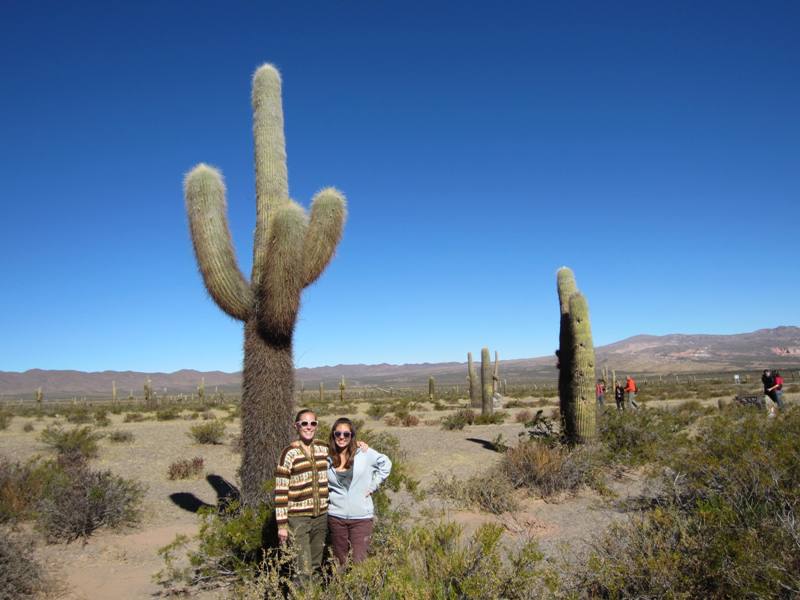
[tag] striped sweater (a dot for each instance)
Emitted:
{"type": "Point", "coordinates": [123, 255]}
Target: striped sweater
{"type": "Point", "coordinates": [301, 484]}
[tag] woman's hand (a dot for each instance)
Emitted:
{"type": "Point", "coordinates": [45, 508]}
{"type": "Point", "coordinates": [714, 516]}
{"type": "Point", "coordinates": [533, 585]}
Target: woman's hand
{"type": "Point", "coordinates": [362, 445]}
{"type": "Point", "coordinates": [283, 535]}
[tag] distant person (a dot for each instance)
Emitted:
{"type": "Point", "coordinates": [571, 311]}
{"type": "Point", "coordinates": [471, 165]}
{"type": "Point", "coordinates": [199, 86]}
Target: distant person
{"type": "Point", "coordinates": [600, 391]}
{"type": "Point", "coordinates": [353, 476]}
{"type": "Point", "coordinates": [630, 392]}
{"type": "Point", "coordinates": [779, 389]}
{"type": "Point", "coordinates": [619, 396]}
{"type": "Point", "coordinates": [770, 390]}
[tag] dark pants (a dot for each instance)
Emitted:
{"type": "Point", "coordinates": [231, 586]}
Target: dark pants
{"type": "Point", "coordinates": [347, 533]}
{"type": "Point", "coordinates": [308, 537]}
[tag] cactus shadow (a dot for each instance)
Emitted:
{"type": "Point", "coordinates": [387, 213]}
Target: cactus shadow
{"type": "Point", "coordinates": [487, 445]}
{"type": "Point", "coordinates": [226, 494]}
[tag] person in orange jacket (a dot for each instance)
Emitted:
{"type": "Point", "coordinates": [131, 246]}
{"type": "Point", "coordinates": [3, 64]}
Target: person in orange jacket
{"type": "Point", "coordinates": [630, 392]}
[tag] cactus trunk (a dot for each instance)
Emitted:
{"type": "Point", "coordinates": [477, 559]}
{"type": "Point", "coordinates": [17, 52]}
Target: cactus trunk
{"type": "Point", "coordinates": [474, 395]}
{"type": "Point", "coordinates": [582, 373]}
{"type": "Point", "coordinates": [566, 287]}
{"type": "Point", "coordinates": [487, 405]}
{"type": "Point", "coordinates": [431, 388]}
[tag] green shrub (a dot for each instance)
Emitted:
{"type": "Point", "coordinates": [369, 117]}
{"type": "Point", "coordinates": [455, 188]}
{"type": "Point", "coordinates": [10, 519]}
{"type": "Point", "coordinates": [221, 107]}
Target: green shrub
{"type": "Point", "coordinates": [21, 487]}
{"type": "Point", "coordinates": [76, 501]}
{"type": "Point", "coordinates": [5, 419]}
{"type": "Point", "coordinates": [20, 574]}
{"type": "Point", "coordinates": [185, 468]}
{"type": "Point", "coordinates": [726, 523]}
{"type": "Point", "coordinates": [120, 437]}
{"type": "Point", "coordinates": [134, 417]}
{"type": "Point", "coordinates": [212, 432]}
{"type": "Point", "coordinates": [459, 419]}
{"type": "Point", "coordinates": [28, 427]}
{"type": "Point", "coordinates": [78, 415]}
{"type": "Point", "coordinates": [379, 410]}
{"type": "Point", "coordinates": [80, 440]}
{"type": "Point", "coordinates": [491, 492]}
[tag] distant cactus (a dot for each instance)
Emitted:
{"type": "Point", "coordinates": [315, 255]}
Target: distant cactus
{"type": "Point", "coordinates": [201, 389]}
{"type": "Point", "coordinates": [113, 391]}
{"type": "Point", "coordinates": [474, 395]}
{"type": "Point", "coordinates": [321, 392]}
{"type": "Point", "coordinates": [149, 397]}
{"type": "Point", "coordinates": [290, 251]}
{"type": "Point", "coordinates": [576, 375]}
{"type": "Point", "coordinates": [487, 402]}
{"type": "Point", "coordinates": [39, 395]}
{"type": "Point", "coordinates": [496, 374]}
{"type": "Point", "coordinates": [342, 387]}
{"type": "Point", "coordinates": [431, 388]}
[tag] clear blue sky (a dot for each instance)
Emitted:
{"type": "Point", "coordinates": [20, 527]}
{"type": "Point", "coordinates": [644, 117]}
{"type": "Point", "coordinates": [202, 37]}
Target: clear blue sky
{"type": "Point", "coordinates": [654, 147]}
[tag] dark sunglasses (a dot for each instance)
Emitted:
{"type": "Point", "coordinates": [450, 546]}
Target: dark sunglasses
{"type": "Point", "coordinates": [344, 434]}
{"type": "Point", "coordinates": [307, 423]}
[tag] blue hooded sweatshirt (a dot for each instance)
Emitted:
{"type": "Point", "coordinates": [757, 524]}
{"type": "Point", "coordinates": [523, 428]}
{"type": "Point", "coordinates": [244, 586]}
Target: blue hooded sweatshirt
{"type": "Point", "coordinates": [370, 469]}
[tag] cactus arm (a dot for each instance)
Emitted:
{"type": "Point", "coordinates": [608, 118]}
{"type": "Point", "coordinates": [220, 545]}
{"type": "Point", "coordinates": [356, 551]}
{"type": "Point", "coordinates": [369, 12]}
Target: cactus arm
{"type": "Point", "coordinates": [272, 180]}
{"type": "Point", "coordinates": [278, 295]}
{"type": "Point", "coordinates": [565, 280]}
{"type": "Point", "coordinates": [204, 191]}
{"type": "Point", "coordinates": [328, 214]}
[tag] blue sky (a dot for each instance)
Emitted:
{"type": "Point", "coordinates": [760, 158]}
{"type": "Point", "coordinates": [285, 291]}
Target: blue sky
{"type": "Point", "coordinates": [652, 147]}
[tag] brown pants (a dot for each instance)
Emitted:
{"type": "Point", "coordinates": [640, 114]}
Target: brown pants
{"type": "Point", "coordinates": [347, 533]}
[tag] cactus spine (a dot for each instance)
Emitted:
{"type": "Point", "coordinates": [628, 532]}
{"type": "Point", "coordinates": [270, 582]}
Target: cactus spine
{"type": "Point", "coordinates": [290, 251]}
{"type": "Point", "coordinates": [487, 405]}
{"type": "Point", "coordinates": [474, 396]}
{"type": "Point", "coordinates": [431, 388]}
{"type": "Point", "coordinates": [576, 375]}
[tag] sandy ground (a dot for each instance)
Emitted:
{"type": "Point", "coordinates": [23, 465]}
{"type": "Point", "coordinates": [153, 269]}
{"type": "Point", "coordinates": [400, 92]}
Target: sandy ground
{"type": "Point", "coordinates": [120, 565]}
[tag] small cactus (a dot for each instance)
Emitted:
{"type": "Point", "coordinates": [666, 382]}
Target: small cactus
{"type": "Point", "coordinates": [496, 374]}
{"type": "Point", "coordinates": [431, 388]}
{"type": "Point", "coordinates": [39, 395]}
{"type": "Point", "coordinates": [487, 403]}
{"type": "Point", "coordinates": [342, 387]}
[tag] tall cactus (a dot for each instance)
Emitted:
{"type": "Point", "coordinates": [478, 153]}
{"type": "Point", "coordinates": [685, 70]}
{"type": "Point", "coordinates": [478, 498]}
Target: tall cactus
{"type": "Point", "coordinates": [290, 251]}
{"type": "Point", "coordinates": [431, 388]}
{"type": "Point", "coordinates": [582, 376]}
{"type": "Point", "coordinates": [565, 283]}
{"type": "Point", "coordinates": [487, 402]}
{"type": "Point", "coordinates": [576, 375]}
{"type": "Point", "coordinates": [342, 388]}
{"type": "Point", "coordinates": [496, 373]}
{"type": "Point", "coordinates": [474, 395]}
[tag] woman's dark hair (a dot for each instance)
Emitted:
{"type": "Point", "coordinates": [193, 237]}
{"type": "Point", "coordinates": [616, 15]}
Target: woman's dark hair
{"type": "Point", "coordinates": [335, 452]}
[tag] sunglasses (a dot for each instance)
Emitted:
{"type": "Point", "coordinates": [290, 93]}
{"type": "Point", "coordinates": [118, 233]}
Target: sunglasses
{"type": "Point", "coordinates": [342, 434]}
{"type": "Point", "coordinates": [307, 423]}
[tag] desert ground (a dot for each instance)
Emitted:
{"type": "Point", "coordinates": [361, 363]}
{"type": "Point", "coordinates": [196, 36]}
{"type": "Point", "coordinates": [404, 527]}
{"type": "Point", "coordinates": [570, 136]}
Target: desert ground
{"type": "Point", "coordinates": [121, 564]}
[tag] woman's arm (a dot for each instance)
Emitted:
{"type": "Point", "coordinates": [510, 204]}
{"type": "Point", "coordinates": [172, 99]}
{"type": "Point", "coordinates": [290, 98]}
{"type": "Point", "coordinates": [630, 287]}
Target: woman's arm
{"type": "Point", "coordinates": [381, 467]}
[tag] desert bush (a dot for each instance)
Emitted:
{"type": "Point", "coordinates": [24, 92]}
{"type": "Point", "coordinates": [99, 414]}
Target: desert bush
{"type": "Point", "coordinates": [208, 415]}
{"type": "Point", "coordinates": [120, 437]}
{"type": "Point", "coordinates": [379, 410]}
{"type": "Point", "coordinates": [459, 419]}
{"type": "Point", "coordinates": [5, 419]}
{"type": "Point", "coordinates": [725, 524]}
{"type": "Point", "coordinates": [101, 418]}
{"type": "Point", "coordinates": [28, 427]}
{"type": "Point", "coordinates": [550, 469]}
{"type": "Point", "coordinates": [168, 414]}
{"type": "Point", "coordinates": [523, 416]}
{"type": "Point", "coordinates": [21, 486]}
{"type": "Point", "coordinates": [76, 501]}
{"type": "Point", "coordinates": [495, 418]}
{"type": "Point", "coordinates": [20, 574]}
{"type": "Point", "coordinates": [409, 420]}
{"type": "Point", "coordinates": [185, 468]}
{"type": "Point", "coordinates": [392, 420]}
{"type": "Point", "coordinates": [439, 405]}
{"type": "Point", "coordinates": [491, 492]}
{"type": "Point", "coordinates": [212, 432]}
{"type": "Point", "coordinates": [134, 417]}
{"type": "Point", "coordinates": [78, 415]}
{"type": "Point", "coordinates": [80, 440]}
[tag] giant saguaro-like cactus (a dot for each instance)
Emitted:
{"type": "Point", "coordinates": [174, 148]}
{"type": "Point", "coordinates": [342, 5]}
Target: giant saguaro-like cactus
{"type": "Point", "coordinates": [290, 251]}
{"type": "Point", "coordinates": [576, 362]}
{"type": "Point", "coordinates": [487, 401]}
{"type": "Point", "coordinates": [474, 395]}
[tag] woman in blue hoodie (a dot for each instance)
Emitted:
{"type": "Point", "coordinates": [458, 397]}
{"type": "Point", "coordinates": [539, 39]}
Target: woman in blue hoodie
{"type": "Point", "coordinates": [353, 475]}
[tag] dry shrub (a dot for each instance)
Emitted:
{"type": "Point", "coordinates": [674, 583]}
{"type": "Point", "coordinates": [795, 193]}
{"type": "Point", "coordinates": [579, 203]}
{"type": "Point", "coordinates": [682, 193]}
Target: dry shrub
{"type": "Point", "coordinates": [185, 468]}
{"type": "Point", "coordinates": [5, 419]}
{"type": "Point", "coordinates": [211, 432]}
{"type": "Point", "coordinates": [550, 469]}
{"type": "Point", "coordinates": [495, 418]}
{"type": "Point", "coordinates": [523, 416]}
{"type": "Point", "coordinates": [120, 437]}
{"type": "Point", "coordinates": [134, 417]}
{"type": "Point", "coordinates": [28, 427]}
{"type": "Point", "coordinates": [168, 414]}
{"type": "Point", "coordinates": [76, 501]}
{"type": "Point", "coordinates": [20, 575]}
{"type": "Point", "coordinates": [21, 486]}
{"type": "Point", "coordinates": [409, 420]}
{"type": "Point", "coordinates": [459, 419]}
{"type": "Point", "coordinates": [491, 492]}
{"type": "Point", "coordinates": [391, 420]}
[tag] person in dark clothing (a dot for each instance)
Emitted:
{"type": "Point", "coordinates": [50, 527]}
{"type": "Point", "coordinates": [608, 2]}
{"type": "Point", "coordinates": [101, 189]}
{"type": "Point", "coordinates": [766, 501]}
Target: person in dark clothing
{"type": "Point", "coordinates": [619, 397]}
{"type": "Point", "coordinates": [770, 389]}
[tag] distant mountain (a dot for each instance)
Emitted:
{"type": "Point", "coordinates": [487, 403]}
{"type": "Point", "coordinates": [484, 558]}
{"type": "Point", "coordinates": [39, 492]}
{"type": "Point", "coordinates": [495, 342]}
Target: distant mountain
{"type": "Point", "coordinates": [776, 348]}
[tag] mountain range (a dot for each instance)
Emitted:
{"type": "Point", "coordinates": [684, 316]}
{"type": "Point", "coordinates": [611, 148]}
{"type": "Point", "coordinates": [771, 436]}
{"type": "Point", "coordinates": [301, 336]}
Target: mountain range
{"type": "Point", "coordinates": [778, 348]}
